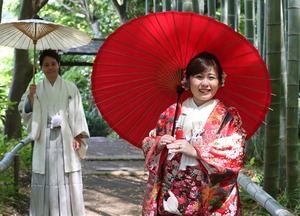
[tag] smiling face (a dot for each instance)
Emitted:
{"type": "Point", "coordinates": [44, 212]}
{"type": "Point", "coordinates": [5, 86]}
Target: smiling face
{"type": "Point", "coordinates": [50, 64]}
{"type": "Point", "coordinates": [204, 76]}
{"type": "Point", "coordinates": [50, 68]}
{"type": "Point", "coordinates": [204, 86]}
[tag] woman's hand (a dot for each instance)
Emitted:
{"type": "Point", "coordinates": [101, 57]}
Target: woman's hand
{"type": "Point", "coordinates": [184, 147]}
{"type": "Point", "coordinates": [163, 142]}
{"type": "Point", "coordinates": [176, 146]}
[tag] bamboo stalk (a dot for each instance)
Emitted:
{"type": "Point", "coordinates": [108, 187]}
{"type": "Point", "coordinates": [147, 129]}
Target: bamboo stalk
{"type": "Point", "coordinates": [262, 197]}
{"type": "Point", "coordinates": [9, 156]}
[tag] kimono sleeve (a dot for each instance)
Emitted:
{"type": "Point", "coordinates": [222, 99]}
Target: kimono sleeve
{"type": "Point", "coordinates": [77, 117]}
{"type": "Point", "coordinates": [149, 148]}
{"type": "Point", "coordinates": [225, 154]}
{"type": "Point", "coordinates": [163, 126]}
{"type": "Point", "coordinates": [23, 108]}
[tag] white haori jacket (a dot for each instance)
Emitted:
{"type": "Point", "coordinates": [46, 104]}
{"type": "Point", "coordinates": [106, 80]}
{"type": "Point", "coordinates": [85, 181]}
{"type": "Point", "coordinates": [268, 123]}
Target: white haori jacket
{"type": "Point", "coordinates": [69, 106]}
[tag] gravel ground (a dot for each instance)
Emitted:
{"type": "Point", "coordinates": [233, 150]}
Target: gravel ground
{"type": "Point", "coordinates": [114, 178]}
{"type": "Point", "coordinates": [113, 195]}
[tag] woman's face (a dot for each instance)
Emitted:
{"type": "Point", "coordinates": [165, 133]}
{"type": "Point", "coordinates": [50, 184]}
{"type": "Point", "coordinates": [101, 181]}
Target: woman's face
{"type": "Point", "coordinates": [204, 86]}
{"type": "Point", "coordinates": [50, 67]}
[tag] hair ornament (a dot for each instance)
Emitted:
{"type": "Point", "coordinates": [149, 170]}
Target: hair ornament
{"type": "Point", "coordinates": [223, 79]}
{"type": "Point", "coordinates": [184, 82]}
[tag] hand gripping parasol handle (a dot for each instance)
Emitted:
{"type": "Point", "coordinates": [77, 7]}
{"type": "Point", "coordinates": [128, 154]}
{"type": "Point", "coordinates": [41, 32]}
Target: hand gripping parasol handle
{"type": "Point", "coordinates": [180, 90]}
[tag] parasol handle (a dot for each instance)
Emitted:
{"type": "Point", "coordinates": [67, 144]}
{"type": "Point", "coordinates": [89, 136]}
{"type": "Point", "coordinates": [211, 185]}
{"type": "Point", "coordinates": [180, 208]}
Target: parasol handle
{"type": "Point", "coordinates": [34, 59]}
{"type": "Point", "coordinates": [180, 90]}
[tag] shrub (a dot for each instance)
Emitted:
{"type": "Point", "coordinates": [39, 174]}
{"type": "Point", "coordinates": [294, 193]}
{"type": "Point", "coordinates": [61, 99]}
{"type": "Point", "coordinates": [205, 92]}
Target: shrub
{"type": "Point", "coordinates": [97, 125]}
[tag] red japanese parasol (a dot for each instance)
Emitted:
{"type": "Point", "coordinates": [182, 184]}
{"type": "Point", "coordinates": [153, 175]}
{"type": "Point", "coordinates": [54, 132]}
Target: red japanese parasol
{"type": "Point", "coordinates": [139, 67]}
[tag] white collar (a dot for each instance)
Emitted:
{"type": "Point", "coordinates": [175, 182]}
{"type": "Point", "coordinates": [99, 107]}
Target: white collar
{"type": "Point", "coordinates": [190, 104]}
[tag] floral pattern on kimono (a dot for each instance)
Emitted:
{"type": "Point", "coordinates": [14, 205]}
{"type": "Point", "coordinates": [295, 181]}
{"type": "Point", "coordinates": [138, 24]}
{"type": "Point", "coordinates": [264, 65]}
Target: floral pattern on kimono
{"type": "Point", "coordinates": [209, 188]}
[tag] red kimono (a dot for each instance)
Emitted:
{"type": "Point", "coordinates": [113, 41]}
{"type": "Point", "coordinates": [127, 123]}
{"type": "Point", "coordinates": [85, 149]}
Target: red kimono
{"type": "Point", "coordinates": [206, 188]}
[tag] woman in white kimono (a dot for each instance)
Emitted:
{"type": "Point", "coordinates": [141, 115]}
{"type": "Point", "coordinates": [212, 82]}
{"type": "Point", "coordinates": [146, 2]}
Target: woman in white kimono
{"type": "Point", "coordinates": [56, 121]}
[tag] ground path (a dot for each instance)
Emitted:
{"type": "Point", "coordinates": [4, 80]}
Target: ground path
{"type": "Point", "coordinates": [114, 178]}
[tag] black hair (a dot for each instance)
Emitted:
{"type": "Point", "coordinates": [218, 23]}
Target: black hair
{"type": "Point", "coordinates": [50, 53]}
{"type": "Point", "coordinates": [203, 62]}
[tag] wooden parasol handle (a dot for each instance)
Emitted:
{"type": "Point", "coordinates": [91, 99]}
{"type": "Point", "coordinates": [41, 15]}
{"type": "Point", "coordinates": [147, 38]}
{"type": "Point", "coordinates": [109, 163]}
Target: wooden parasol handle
{"type": "Point", "coordinates": [180, 90]}
{"type": "Point", "coordinates": [34, 60]}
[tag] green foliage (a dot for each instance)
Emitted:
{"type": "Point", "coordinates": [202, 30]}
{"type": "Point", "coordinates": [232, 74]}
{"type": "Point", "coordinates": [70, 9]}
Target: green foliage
{"type": "Point", "coordinates": [70, 13]}
{"type": "Point", "coordinates": [54, 12]}
{"type": "Point", "coordinates": [250, 164]}
{"type": "Point", "coordinates": [13, 195]}
{"type": "Point", "coordinates": [113, 134]}
{"type": "Point", "coordinates": [97, 125]}
{"type": "Point", "coordinates": [6, 63]}
{"type": "Point", "coordinates": [80, 76]}
{"type": "Point", "coordinates": [25, 152]}
{"type": "Point", "coordinates": [136, 8]}
{"type": "Point", "coordinates": [6, 67]}
{"type": "Point", "coordinates": [255, 146]}
{"type": "Point", "coordinates": [7, 190]}
{"type": "Point", "coordinates": [13, 7]}
{"type": "Point", "coordinates": [250, 206]}
{"type": "Point", "coordinates": [284, 200]}
{"type": "Point", "coordinates": [4, 103]}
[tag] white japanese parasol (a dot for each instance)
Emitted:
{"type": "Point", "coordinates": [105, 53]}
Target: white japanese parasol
{"type": "Point", "coordinates": [38, 34]}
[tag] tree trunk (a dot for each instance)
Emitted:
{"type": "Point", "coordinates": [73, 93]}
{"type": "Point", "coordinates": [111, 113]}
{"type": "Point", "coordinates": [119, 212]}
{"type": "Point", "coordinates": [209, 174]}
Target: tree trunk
{"type": "Point", "coordinates": [96, 29]}
{"type": "Point", "coordinates": [292, 102]}
{"type": "Point", "coordinates": [166, 5]}
{"type": "Point", "coordinates": [19, 81]}
{"type": "Point", "coordinates": [283, 98]}
{"type": "Point", "coordinates": [121, 10]}
{"type": "Point", "coordinates": [223, 11]}
{"type": "Point", "coordinates": [228, 12]}
{"type": "Point", "coordinates": [22, 75]}
{"type": "Point", "coordinates": [261, 27]}
{"type": "Point", "coordinates": [187, 6]}
{"type": "Point", "coordinates": [271, 154]}
{"type": "Point", "coordinates": [231, 14]}
{"type": "Point", "coordinates": [211, 8]}
{"type": "Point", "coordinates": [237, 14]}
{"type": "Point", "coordinates": [1, 7]}
{"type": "Point", "coordinates": [199, 6]}
{"type": "Point", "coordinates": [249, 20]}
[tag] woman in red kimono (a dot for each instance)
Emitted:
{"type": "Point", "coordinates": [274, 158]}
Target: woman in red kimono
{"type": "Point", "coordinates": [195, 172]}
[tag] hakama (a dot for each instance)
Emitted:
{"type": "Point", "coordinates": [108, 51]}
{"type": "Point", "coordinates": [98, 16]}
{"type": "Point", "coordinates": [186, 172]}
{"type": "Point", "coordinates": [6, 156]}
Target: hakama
{"type": "Point", "coordinates": [56, 193]}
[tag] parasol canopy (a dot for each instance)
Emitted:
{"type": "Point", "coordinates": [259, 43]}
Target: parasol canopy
{"type": "Point", "coordinates": [139, 67]}
{"type": "Point", "coordinates": [38, 34]}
